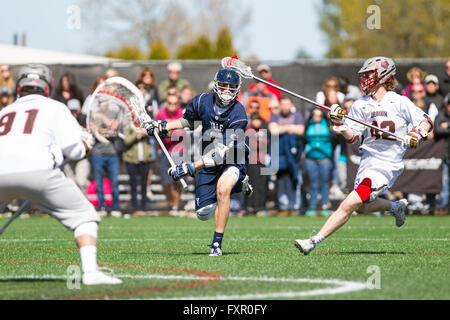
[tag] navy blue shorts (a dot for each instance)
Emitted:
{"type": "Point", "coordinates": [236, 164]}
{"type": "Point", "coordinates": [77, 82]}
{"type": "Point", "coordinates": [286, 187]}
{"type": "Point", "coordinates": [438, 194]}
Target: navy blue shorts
{"type": "Point", "coordinates": [206, 186]}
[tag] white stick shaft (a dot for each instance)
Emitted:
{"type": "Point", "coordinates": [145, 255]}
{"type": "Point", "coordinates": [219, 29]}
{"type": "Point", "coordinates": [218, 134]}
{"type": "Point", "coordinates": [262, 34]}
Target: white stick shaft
{"type": "Point", "coordinates": [184, 184]}
{"type": "Point", "coordinates": [328, 109]}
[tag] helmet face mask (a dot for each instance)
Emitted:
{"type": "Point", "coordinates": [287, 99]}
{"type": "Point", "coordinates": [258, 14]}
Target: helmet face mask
{"type": "Point", "coordinates": [227, 84]}
{"type": "Point", "coordinates": [374, 72]}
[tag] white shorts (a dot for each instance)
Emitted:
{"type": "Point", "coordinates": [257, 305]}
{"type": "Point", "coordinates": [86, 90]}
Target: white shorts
{"type": "Point", "coordinates": [51, 191]}
{"type": "Point", "coordinates": [383, 175]}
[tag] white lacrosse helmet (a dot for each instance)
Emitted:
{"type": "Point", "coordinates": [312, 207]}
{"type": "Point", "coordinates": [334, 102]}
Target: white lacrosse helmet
{"type": "Point", "coordinates": [35, 78]}
{"type": "Point", "coordinates": [227, 84]}
{"type": "Point", "coordinates": [374, 72]}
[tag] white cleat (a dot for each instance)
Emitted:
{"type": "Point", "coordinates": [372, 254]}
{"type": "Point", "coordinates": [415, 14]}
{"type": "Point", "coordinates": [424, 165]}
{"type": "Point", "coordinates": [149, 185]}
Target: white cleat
{"type": "Point", "coordinates": [247, 188]}
{"type": "Point", "coordinates": [399, 212]}
{"type": "Point", "coordinates": [305, 246]}
{"type": "Point", "coordinates": [97, 277]}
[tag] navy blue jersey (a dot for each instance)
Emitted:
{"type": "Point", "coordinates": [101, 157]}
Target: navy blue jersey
{"type": "Point", "coordinates": [229, 126]}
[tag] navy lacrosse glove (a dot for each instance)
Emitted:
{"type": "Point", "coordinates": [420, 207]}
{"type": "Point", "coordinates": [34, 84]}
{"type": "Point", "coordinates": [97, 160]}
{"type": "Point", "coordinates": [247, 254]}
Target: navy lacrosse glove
{"type": "Point", "coordinates": [180, 170]}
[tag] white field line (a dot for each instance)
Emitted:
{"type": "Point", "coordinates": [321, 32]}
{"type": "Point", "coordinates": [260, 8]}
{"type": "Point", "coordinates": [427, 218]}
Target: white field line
{"type": "Point", "coordinates": [337, 286]}
{"type": "Point", "coordinates": [230, 240]}
{"type": "Point", "coordinates": [191, 228]}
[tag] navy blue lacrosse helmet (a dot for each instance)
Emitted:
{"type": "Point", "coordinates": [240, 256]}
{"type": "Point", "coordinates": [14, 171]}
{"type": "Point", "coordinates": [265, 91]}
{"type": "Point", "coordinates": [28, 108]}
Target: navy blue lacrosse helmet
{"type": "Point", "coordinates": [227, 84]}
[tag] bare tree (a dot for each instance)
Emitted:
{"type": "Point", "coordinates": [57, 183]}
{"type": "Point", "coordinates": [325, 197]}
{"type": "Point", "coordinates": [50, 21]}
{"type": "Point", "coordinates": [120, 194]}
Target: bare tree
{"type": "Point", "coordinates": [140, 22]}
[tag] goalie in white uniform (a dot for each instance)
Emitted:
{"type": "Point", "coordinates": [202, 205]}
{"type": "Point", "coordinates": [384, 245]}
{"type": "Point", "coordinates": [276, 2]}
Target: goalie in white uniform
{"type": "Point", "coordinates": [36, 133]}
{"type": "Point", "coordinates": [382, 155]}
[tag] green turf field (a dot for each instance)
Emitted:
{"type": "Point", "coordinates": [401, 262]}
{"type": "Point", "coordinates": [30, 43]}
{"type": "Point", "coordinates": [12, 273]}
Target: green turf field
{"type": "Point", "coordinates": [167, 258]}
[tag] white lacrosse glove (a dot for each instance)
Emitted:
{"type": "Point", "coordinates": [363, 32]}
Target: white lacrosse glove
{"type": "Point", "coordinates": [337, 114]}
{"type": "Point", "coordinates": [88, 141]}
{"type": "Point", "coordinates": [215, 156]}
{"type": "Point", "coordinates": [412, 139]}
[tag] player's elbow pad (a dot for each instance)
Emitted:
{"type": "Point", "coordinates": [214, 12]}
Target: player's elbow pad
{"type": "Point", "coordinates": [76, 152]}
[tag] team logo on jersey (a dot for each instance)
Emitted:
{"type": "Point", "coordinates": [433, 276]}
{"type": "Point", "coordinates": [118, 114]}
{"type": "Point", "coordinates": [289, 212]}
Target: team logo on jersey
{"type": "Point", "coordinates": [375, 114]}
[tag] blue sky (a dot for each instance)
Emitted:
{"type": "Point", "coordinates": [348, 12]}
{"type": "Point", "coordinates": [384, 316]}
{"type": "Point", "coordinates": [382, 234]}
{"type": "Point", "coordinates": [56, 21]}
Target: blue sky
{"type": "Point", "coordinates": [277, 31]}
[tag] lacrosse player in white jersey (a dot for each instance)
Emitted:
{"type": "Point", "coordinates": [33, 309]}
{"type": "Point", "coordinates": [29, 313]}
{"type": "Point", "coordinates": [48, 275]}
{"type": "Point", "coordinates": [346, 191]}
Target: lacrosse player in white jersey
{"type": "Point", "coordinates": [382, 155]}
{"type": "Point", "coordinates": [36, 133]}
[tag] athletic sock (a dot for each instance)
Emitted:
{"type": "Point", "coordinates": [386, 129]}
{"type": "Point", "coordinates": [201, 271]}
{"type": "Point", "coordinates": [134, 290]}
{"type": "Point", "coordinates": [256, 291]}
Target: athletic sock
{"type": "Point", "coordinates": [318, 238]}
{"type": "Point", "coordinates": [218, 238]}
{"type": "Point", "coordinates": [393, 207]}
{"type": "Point", "coordinates": [88, 256]}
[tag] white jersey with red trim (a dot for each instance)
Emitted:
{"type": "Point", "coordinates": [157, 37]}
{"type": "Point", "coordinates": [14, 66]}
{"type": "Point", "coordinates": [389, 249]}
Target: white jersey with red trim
{"type": "Point", "coordinates": [35, 133]}
{"type": "Point", "coordinates": [394, 113]}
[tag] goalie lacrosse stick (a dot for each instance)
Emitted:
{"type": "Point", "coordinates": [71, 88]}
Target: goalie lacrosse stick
{"type": "Point", "coordinates": [246, 72]}
{"type": "Point", "coordinates": [18, 212]}
{"type": "Point", "coordinates": [125, 94]}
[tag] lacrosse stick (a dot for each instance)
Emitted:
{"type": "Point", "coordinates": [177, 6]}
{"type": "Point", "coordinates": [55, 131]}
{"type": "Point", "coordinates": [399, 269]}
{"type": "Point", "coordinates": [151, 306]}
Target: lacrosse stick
{"type": "Point", "coordinates": [246, 72]}
{"type": "Point", "coordinates": [125, 94]}
{"type": "Point", "coordinates": [18, 212]}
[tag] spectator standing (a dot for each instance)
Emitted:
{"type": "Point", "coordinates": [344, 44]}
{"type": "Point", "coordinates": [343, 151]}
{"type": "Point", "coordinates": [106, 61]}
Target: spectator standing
{"type": "Point", "coordinates": [6, 78]}
{"type": "Point", "coordinates": [318, 161]}
{"type": "Point", "coordinates": [96, 83]}
{"type": "Point", "coordinates": [433, 99]}
{"type": "Point", "coordinates": [173, 143]}
{"type": "Point", "coordinates": [174, 69]}
{"type": "Point", "coordinates": [415, 75]}
{"type": "Point", "coordinates": [442, 131]}
{"type": "Point", "coordinates": [68, 89]}
{"type": "Point", "coordinates": [264, 97]}
{"type": "Point", "coordinates": [266, 73]}
{"type": "Point", "coordinates": [330, 84]}
{"type": "Point", "coordinates": [258, 143]}
{"type": "Point", "coordinates": [147, 79]}
{"type": "Point", "coordinates": [138, 158]}
{"type": "Point", "coordinates": [445, 83]}
{"type": "Point", "coordinates": [6, 97]}
{"type": "Point", "coordinates": [186, 95]}
{"type": "Point", "coordinates": [105, 160]}
{"type": "Point", "coordinates": [289, 126]}
{"type": "Point", "coordinates": [348, 89]}
{"type": "Point", "coordinates": [110, 73]}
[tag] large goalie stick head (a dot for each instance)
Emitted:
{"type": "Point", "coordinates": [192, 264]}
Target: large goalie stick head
{"type": "Point", "coordinates": [114, 101]}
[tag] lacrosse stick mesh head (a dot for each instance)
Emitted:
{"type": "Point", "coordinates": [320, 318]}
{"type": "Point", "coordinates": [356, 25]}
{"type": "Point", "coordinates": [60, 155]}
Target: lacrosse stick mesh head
{"type": "Point", "coordinates": [237, 65]}
{"type": "Point", "coordinates": [114, 102]}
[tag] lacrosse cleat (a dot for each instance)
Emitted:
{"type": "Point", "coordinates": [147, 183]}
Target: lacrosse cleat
{"type": "Point", "coordinates": [216, 250]}
{"type": "Point", "coordinates": [305, 246]}
{"type": "Point", "coordinates": [247, 189]}
{"type": "Point", "coordinates": [398, 211]}
{"type": "Point", "coordinates": [98, 277]}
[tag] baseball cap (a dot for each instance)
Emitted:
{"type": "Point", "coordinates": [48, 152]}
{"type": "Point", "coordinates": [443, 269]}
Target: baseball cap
{"type": "Point", "coordinates": [431, 78]}
{"type": "Point", "coordinates": [4, 91]}
{"type": "Point", "coordinates": [263, 67]}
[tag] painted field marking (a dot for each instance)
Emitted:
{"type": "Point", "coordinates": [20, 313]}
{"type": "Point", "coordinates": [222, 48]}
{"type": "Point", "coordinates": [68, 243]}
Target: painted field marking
{"type": "Point", "coordinates": [337, 286]}
{"type": "Point", "coordinates": [230, 239]}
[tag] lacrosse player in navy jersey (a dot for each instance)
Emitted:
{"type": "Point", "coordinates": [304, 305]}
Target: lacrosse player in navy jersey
{"type": "Point", "coordinates": [223, 165]}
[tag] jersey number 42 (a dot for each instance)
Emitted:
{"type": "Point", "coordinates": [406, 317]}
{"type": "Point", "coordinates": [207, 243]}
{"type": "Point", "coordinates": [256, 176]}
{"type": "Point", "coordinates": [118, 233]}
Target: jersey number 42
{"type": "Point", "coordinates": [388, 124]}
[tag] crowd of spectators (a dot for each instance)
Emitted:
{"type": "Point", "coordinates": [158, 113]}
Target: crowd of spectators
{"type": "Point", "coordinates": [311, 158]}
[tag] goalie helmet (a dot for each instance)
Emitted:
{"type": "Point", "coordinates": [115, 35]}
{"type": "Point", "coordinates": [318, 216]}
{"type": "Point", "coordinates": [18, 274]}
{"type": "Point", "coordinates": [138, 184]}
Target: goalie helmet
{"type": "Point", "coordinates": [35, 78]}
{"type": "Point", "coordinates": [374, 72]}
{"type": "Point", "coordinates": [227, 84]}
